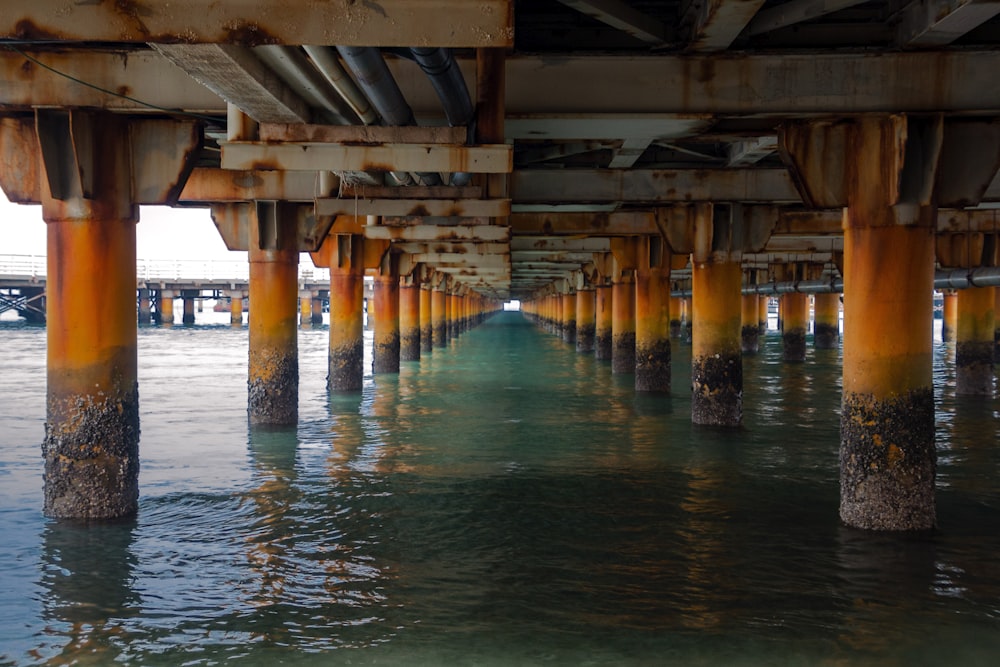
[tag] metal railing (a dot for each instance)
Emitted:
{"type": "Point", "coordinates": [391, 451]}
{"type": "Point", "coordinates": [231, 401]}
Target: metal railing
{"type": "Point", "coordinates": [154, 270]}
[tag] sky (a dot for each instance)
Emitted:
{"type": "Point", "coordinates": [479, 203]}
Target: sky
{"type": "Point", "coordinates": [162, 233]}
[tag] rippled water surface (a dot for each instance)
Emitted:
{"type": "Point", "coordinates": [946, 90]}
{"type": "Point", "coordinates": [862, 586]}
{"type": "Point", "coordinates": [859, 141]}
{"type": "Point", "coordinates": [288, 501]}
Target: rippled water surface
{"type": "Point", "coordinates": [504, 501]}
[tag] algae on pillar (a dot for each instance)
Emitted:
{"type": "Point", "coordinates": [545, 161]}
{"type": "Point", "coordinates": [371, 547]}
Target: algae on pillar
{"type": "Point", "coordinates": [347, 284]}
{"type": "Point", "coordinates": [602, 319]}
{"type": "Point", "coordinates": [652, 327]}
{"type": "Point", "coordinates": [426, 323]}
{"type": "Point", "coordinates": [795, 325]}
{"type": "Point", "coordinates": [568, 301]}
{"type": "Point", "coordinates": [385, 358]}
{"type": "Point", "coordinates": [750, 331]}
{"type": "Point", "coordinates": [585, 320]}
{"type": "Point", "coordinates": [974, 341]}
{"type": "Point", "coordinates": [439, 316]}
{"type": "Point", "coordinates": [409, 322]}
{"type": "Point", "coordinates": [623, 324]}
{"type": "Point", "coordinates": [716, 362]}
{"type": "Point", "coordinates": [826, 327]}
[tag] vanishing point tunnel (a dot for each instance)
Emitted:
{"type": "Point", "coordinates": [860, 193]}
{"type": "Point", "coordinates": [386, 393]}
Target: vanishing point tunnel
{"type": "Point", "coordinates": [610, 164]}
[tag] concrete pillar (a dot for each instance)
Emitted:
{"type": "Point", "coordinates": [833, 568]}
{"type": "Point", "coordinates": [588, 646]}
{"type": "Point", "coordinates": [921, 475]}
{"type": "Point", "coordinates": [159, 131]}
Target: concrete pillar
{"type": "Point", "coordinates": [949, 322]}
{"type": "Point", "coordinates": [762, 303]}
{"type": "Point", "coordinates": [409, 322]}
{"type": "Point", "coordinates": [603, 307]}
{"type": "Point", "coordinates": [716, 364]}
{"type": "Point", "coordinates": [347, 346]}
{"type": "Point", "coordinates": [826, 328]}
{"type": "Point", "coordinates": [795, 324]}
{"type": "Point", "coordinates": [569, 317]}
{"type": "Point", "coordinates": [273, 377]}
{"type": "Point", "coordinates": [145, 314]}
{"type": "Point", "coordinates": [167, 307]}
{"type": "Point", "coordinates": [750, 324]}
{"type": "Point", "coordinates": [305, 309]}
{"type": "Point", "coordinates": [675, 317]}
{"type": "Point", "coordinates": [426, 321]}
{"type": "Point", "coordinates": [688, 310]}
{"type": "Point", "coordinates": [386, 339]}
{"type": "Point", "coordinates": [585, 320]}
{"type": "Point", "coordinates": [623, 325]}
{"type": "Point", "coordinates": [439, 316]}
{"type": "Point", "coordinates": [652, 330]}
{"type": "Point", "coordinates": [236, 308]}
{"type": "Point", "coordinates": [91, 446]}
{"type": "Point", "coordinates": [317, 310]}
{"type": "Point", "coordinates": [996, 326]}
{"type": "Point", "coordinates": [189, 298]}
{"type": "Point", "coordinates": [974, 341]}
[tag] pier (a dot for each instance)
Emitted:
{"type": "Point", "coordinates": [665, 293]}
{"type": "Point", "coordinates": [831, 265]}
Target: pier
{"type": "Point", "coordinates": [596, 161]}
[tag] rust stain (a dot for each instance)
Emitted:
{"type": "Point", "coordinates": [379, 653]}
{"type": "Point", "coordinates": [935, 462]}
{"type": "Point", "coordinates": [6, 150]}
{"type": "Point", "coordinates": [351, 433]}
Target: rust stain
{"type": "Point", "coordinates": [419, 211]}
{"type": "Point", "coordinates": [26, 29]}
{"type": "Point", "coordinates": [249, 34]}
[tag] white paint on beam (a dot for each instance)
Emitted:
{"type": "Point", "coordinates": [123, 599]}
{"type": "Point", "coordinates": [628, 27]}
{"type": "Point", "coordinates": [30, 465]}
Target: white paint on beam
{"type": "Point", "coordinates": [630, 151]}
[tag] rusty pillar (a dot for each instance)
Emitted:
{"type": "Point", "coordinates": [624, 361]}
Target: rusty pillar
{"type": "Point", "coordinates": [826, 328]}
{"type": "Point", "coordinates": [347, 347]}
{"type": "Point", "coordinates": [762, 303]}
{"type": "Point", "coordinates": [716, 364]}
{"type": "Point", "coordinates": [439, 317]}
{"type": "Point", "coordinates": [305, 309]}
{"type": "Point", "coordinates": [569, 317]}
{"type": "Point", "coordinates": [386, 355]}
{"type": "Point", "coordinates": [188, 298]}
{"type": "Point", "coordinates": [585, 320]}
{"type": "Point", "coordinates": [652, 330]}
{"type": "Point", "coordinates": [167, 307]}
{"type": "Point", "coordinates": [996, 327]}
{"type": "Point", "coordinates": [426, 321]}
{"type": "Point", "coordinates": [795, 324]}
{"type": "Point", "coordinates": [317, 310]}
{"type": "Point", "coordinates": [949, 320]}
{"type": "Point", "coordinates": [451, 310]}
{"type": "Point", "coordinates": [409, 323]}
{"type": "Point", "coordinates": [603, 306]}
{"type": "Point", "coordinates": [91, 445]}
{"type": "Point", "coordinates": [675, 317]}
{"type": "Point", "coordinates": [273, 377]}
{"type": "Point", "coordinates": [236, 310]}
{"type": "Point", "coordinates": [750, 329]}
{"type": "Point", "coordinates": [974, 341]}
{"type": "Point", "coordinates": [145, 312]}
{"type": "Point", "coordinates": [688, 310]}
{"type": "Point", "coordinates": [623, 325]}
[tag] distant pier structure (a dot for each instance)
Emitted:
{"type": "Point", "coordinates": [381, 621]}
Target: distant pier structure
{"type": "Point", "coordinates": [620, 167]}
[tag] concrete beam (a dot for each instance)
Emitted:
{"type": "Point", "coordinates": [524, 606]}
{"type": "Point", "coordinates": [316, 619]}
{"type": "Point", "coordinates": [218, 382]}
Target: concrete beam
{"type": "Point", "coordinates": [407, 208]}
{"type": "Point", "coordinates": [454, 23]}
{"type": "Point", "coordinates": [208, 185]}
{"type": "Point", "coordinates": [495, 159]}
{"type": "Point", "coordinates": [652, 186]}
{"type": "Point", "coordinates": [484, 233]}
{"type": "Point", "coordinates": [717, 23]}
{"type": "Point", "coordinates": [555, 244]}
{"type": "Point", "coordinates": [622, 16]}
{"type": "Point", "coordinates": [930, 23]}
{"type": "Point", "coordinates": [795, 11]}
{"type": "Point", "coordinates": [367, 134]}
{"type": "Point", "coordinates": [574, 224]}
{"type": "Point", "coordinates": [751, 151]}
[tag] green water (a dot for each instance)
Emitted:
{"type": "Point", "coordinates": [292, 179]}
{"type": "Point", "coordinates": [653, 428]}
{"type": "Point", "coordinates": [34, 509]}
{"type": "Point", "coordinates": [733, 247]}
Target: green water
{"type": "Point", "coordinates": [505, 501]}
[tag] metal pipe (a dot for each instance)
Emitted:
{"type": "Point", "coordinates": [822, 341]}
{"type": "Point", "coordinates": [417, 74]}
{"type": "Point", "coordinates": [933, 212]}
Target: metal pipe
{"type": "Point", "coordinates": [292, 65]}
{"type": "Point", "coordinates": [325, 60]}
{"type": "Point", "coordinates": [445, 76]}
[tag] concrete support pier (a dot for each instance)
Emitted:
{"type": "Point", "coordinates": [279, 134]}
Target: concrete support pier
{"type": "Point", "coordinates": [347, 297]}
{"type": "Point", "coordinates": [675, 317]}
{"type": "Point", "coordinates": [652, 330]}
{"type": "Point", "coordinates": [305, 309]}
{"type": "Point", "coordinates": [826, 318]}
{"type": "Point", "coordinates": [623, 325]}
{"type": "Point", "coordinates": [167, 307]}
{"type": "Point", "coordinates": [409, 322]}
{"type": "Point", "coordinates": [750, 325]}
{"type": "Point", "coordinates": [716, 363]}
{"type": "Point", "coordinates": [426, 325]}
{"type": "Point", "coordinates": [974, 341]}
{"type": "Point", "coordinates": [602, 322]}
{"type": "Point", "coordinates": [795, 324]}
{"type": "Point", "coordinates": [949, 315]}
{"type": "Point", "coordinates": [385, 358]}
{"type": "Point", "coordinates": [439, 316]}
{"type": "Point", "coordinates": [317, 311]}
{"type": "Point", "coordinates": [189, 299]}
{"type": "Point", "coordinates": [586, 321]}
{"type": "Point", "coordinates": [91, 445]}
{"type": "Point", "coordinates": [569, 317]}
{"type": "Point", "coordinates": [273, 377]}
{"type": "Point", "coordinates": [145, 310]}
{"type": "Point", "coordinates": [762, 303]}
{"type": "Point", "coordinates": [236, 308]}
{"type": "Point", "coordinates": [996, 326]}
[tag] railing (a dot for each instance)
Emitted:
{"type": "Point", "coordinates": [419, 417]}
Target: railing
{"type": "Point", "coordinates": [154, 270]}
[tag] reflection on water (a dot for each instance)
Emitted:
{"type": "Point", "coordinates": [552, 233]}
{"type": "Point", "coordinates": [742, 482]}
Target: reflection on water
{"type": "Point", "coordinates": [504, 501]}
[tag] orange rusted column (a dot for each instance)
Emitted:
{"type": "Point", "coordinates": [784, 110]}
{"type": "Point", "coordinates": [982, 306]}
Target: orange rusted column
{"type": "Point", "coordinates": [144, 306]}
{"type": "Point", "coordinates": [409, 322]}
{"type": "Point", "coordinates": [675, 317]}
{"type": "Point", "coordinates": [585, 320]}
{"type": "Point", "coordinates": [91, 446]}
{"type": "Point", "coordinates": [623, 325]}
{"type": "Point", "coordinates": [305, 309]}
{"type": "Point", "coordinates": [603, 299]}
{"type": "Point", "coordinates": [426, 321]}
{"type": "Point", "coordinates": [974, 341]}
{"type": "Point", "coordinates": [762, 314]}
{"type": "Point", "coordinates": [273, 377]}
{"type": "Point", "coordinates": [949, 322]}
{"type": "Point", "coordinates": [750, 330]}
{"type": "Point", "coordinates": [439, 316]}
{"type": "Point", "coordinates": [569, 317]}
{"type": "Point", "coordinates": [996, 326]}
{"type": "Point", "coordinates": [652, 330]}
{"type": "Point", "coordinates": [826, 330]}
{"type": "Point", "coordinates": [167, 307]}
{"type": "Point", "coordinates": [386, 355]}
{"type": "Point", "coordinates": [688, 310]}
{"type": "Point", "coordinates": [317, 310]}
{"type": "Point", "coordinates": [188, 298]}
{"type": "Point", "coordinates": [236, 308]}
{"type": "Point", "coordinates": [347, 346]}
{"type": "Point", "coordinates": [795, 324]}
{"type": "Point", "coordinates": [716, 363]}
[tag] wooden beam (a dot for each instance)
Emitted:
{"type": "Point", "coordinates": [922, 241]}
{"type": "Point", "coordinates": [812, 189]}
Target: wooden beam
{"type": "Point", "coordinates": [453, 23]}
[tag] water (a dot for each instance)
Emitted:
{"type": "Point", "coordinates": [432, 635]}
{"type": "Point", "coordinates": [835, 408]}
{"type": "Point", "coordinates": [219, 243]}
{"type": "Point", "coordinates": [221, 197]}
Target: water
{"type": "Point", "coordinates": [505, 501]}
